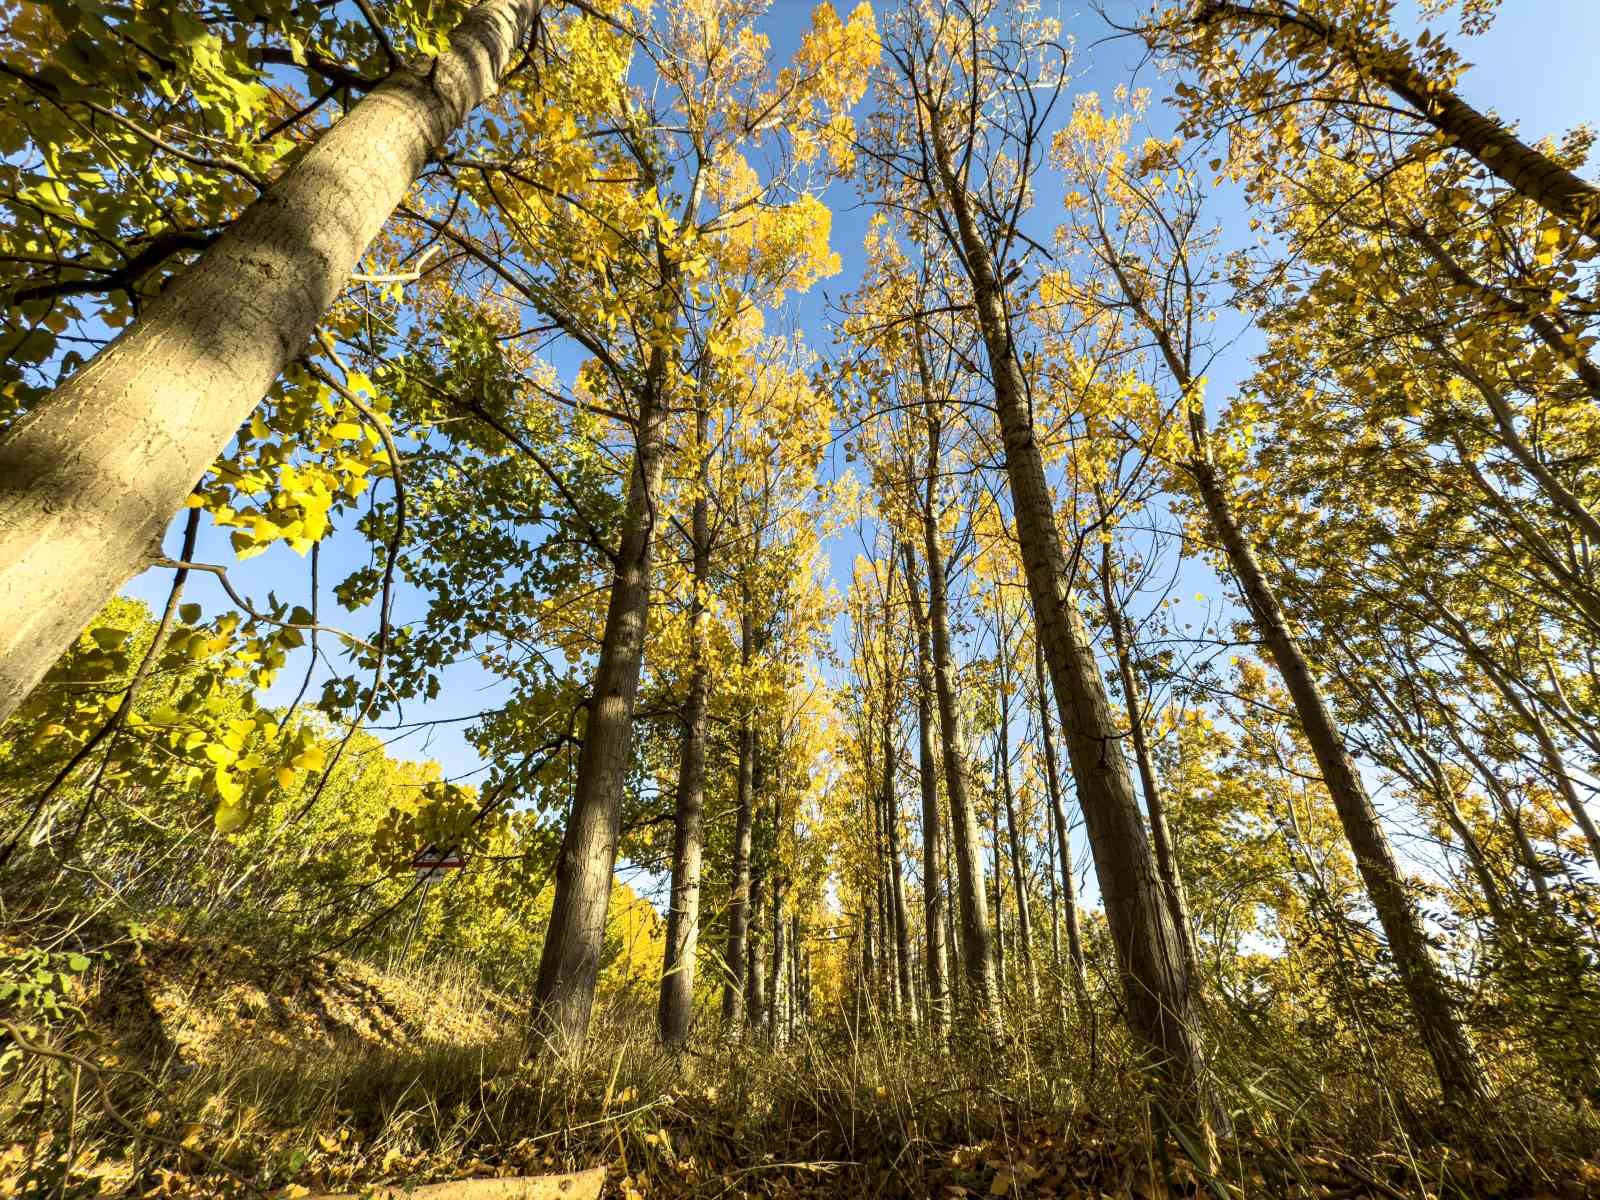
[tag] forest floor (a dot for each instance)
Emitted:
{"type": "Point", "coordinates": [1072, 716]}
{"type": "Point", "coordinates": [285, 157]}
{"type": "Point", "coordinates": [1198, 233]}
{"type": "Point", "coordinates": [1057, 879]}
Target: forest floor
{"type": "Point", "coordinates": [200, 1069]}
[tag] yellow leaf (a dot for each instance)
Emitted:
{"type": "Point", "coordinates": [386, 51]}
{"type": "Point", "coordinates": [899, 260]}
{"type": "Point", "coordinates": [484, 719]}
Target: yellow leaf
{"type": "Point", "coordinates": [230, 817]}
{"type": "Point", "coordinates": [228, 785]}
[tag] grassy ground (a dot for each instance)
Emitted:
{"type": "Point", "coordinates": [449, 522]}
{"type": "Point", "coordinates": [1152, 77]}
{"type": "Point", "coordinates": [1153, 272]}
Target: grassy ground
{"type": "Point", "coordinates": [187, 1069]}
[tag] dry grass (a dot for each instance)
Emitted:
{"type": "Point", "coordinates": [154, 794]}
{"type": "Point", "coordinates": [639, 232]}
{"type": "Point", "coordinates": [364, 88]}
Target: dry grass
{"type": "Point", "coordinates": [344, 1073]}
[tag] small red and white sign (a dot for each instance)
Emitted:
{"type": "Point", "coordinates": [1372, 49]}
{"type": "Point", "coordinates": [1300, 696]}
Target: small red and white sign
{"type": "Point", "coordinates": [431, 863]}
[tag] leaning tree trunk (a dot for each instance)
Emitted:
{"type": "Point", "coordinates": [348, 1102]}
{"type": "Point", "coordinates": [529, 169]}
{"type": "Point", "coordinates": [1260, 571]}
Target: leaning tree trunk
{"type": "Point", "coordinates": [96, 472]}
{"type": "Point", "coordinates": [744, 821]}
{"type": "Point", "coordinates": [570, 964]}
{"type": "Point", "coordinates": [1435, 1013]}
{"type": "Point", "coordinates": [1155, 803]}
{"type": "Point", "coordinates": [1069, 882]}
{"type": "Point", "coordinates": [1155, 981]}
{"type": "Point", "coordinates": [683, 916]}
{"type": "Point", "coordinates": [977, 946]}
{"type": "Point", "coordinates": [933, 895]}
{"type": "Point", "coordinates": [1019, 878]}
{"type": "Point", "coordinates": [1528, 171]}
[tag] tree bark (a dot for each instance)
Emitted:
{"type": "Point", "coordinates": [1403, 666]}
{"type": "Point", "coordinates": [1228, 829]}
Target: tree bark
{"type": "Point", "coordinates": [570, 964]}
{"type": "Point", "coordinates": [1019, 878]}
{"type": "Point", "coordinates": [1051, 879]}
{"type": "Point", "coordinates": [888, 981]}
{"type": "Point", "coordinates": [998, 873]}
{"type": "Point", "coordinates": [744, 821]}
{"type": "Point", "coordinates": [755, 1000]}
{"type": "Point", "coordinates": [933, 886]}
{"type": "Point", "coordinates": [794, 973]}
{"type": "Point", "coordinates": [92, 476]}
{"type": "Point", "coordinates": [1436, 1017]}
{"type": "Point", "coordinates": [1528, 171]}
{"type": "Point", "coordinates": [1435, 1014]}
{"type": "Point", "coordinates": [977, 947]}
{"type": "Point", "coordinates": [1069, 882]}
{"type": "Point", "coordinates": [1155, 982]}
{"type": "Point", "coordinates": [777, 1017]}
{"type": "Point", "coordinates": [1155, 804]}
{"type": "Point", "coordinates": [683, 914]}
{"type": "Point", "coordinates": [902, 926]}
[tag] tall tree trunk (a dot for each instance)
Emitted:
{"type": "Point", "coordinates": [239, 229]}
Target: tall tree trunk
{"type": "Point", "coordinates": [755, 1000]}
{"type": "Point", "coordinates": [744, 821]}
{"type": "Point", "coordinates": [570, 964]}
{"type": "Point", "coordinates": [1436, 1017]}
{"type": "Point", "coordinates": [955, 980]}
{"type": "Point", "coordinates": [1156, 983]}
{"type": "Point", "coordinates": [869, 961]}
{"type": "Point", "coordinates": [883, 971]}
{"type": "Point", "coordinates": [888, 957]}
{"type": "Point", "coordinates": [977, 947]}
{"type": "Point", "coordinates": [96, 472]}
{"type": "Point", "coordinates": [902, 926]}
{"type": "Point", "coordinates": [683, 914]}
{"type": "Point", "coordinates": [760, 868]}
{"type": "Point", "coordinates": [933, 893]}
{"type": "Point", "coordinates": [1528, 171]}
{"type": "Point", "coordinates": [998, 874]}
{"type": "Point", "coordinates": [1435, 1013]}
{"type": "Point", "coordinates": [795, 954]}
{"type": "Point", "coordinates": [1055, 913]}
{"type": "Point", "coordinates": [1155, 804]}
{"type": "Point", "coordinates": [1069, 882]}
{"type": "Point", "coordinates": [1019, 878]}
{"type": "Point", "coordinates": [777, 1017]}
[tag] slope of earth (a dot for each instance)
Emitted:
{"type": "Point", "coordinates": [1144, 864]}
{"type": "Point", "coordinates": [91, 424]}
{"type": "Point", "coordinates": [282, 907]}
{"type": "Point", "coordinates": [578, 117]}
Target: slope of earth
{"type": "Point", "coordinates": [176, 1067]}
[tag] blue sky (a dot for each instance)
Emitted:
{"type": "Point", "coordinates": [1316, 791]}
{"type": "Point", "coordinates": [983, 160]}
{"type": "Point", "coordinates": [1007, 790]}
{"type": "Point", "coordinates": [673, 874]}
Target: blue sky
{"type": "Point", "coordinates": [1536, 67]}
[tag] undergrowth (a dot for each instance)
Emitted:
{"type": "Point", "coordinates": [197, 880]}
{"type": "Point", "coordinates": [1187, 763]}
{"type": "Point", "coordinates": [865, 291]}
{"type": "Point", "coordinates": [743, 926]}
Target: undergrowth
{"type": "Point", "coordinates": [178, 1069]}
